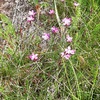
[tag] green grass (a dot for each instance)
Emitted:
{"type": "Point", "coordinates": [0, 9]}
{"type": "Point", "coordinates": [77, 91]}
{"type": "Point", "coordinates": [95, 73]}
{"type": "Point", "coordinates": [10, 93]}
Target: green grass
{"type": "Point", "coordinates": [52, 77]}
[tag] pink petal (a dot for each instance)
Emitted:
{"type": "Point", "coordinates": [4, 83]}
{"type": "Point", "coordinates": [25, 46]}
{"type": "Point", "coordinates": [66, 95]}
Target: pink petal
{"type": "Point", "coordinates": [55, 29]}
{"type": "Point", "coordinates": [30, 18]}
{"type": "Point", "coordinates": [33, 57]}
{"type": "Point", "coordinates": [51, 12]}
{"type": "Point", "coordinates": [46, 36]}
{"type": "Point", "coordinates": [73, 52]}
{"type": "Point", "coordinates": [76, 4]}
{"type": "Point", "coordinates": [62, 54]}
{"type": "Point", "coordinates": [69, 39]}
{"type": "Point", "coordinates": [32, 13]}
{"type": "Point", "coordinates": [67, 56]}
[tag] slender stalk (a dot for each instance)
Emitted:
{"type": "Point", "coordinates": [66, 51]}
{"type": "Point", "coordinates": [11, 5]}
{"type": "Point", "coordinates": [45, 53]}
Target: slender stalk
{"type": "Point", "coordinates": [71, 93]}
{"type": "Point", "coordinates": [56, 12]}
{"type": "Point", "coordinates": [79, 95]}
{"type": "Point", "coordinates": [94, 82]}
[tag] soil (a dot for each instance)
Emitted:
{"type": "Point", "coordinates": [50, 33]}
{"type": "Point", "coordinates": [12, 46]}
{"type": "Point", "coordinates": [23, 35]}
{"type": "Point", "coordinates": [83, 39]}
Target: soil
{"type": "Point", "coordinates": [17, 11]}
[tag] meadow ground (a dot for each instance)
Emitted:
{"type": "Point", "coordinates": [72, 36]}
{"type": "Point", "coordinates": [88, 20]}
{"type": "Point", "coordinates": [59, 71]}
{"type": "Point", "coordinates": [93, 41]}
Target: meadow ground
{"type": "Point", "coordinates": [59, 59]}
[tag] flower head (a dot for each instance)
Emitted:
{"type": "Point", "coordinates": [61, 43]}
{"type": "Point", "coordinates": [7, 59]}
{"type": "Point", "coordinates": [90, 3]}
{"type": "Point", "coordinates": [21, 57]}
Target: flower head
{"type": "Point", "coordinates": [67, 56]}
{"type": "Point", "coordinates": [51, 12]}
{"type": "Point", "coordinates": [32, 13]}
{"type": "Point", "coordinates": [66, 21]}
{"type": "Point", "coordinates": [30, 18]}
{"type": "Point", "coordinates": [69, 39]}
{"type": "Point", "coordinates": [33, 57]}
{"type": "Point", "coordinates": [64, 55]}
{"type": "Point", "coordinates": [54, 29]}
{"type": "Point", "coordinates": [67, 53]}
{"type": "Point", "coordinates": [76, 4]}
{"type": "Point", "coordinates": [46, 36]}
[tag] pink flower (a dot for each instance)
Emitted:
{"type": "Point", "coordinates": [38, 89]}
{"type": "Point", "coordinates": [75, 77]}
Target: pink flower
{"type": "Point", "coordinates": [51, 12]}
{"type": "Point", "coordinates": [54, 29]}
{"type": "Point", "coordinates": [69, 39]}
{"type": "Point", "coordinates": [69, 51]}
{"type": "Point", "coordinates": [67, 56]}
{"type": "Point", "coordinates": [46, 36]}
{"type": "Point", "coordinates": [30, 18]}
{"type": "Point", "coordinates": [66, 21]}
{"type": "Point", "coordinates": [76, 4]}
{"type": "Point", "coordinates": [62, 54]}
{"type": "Point", "coordinates": [32, 13]}
{"type": "Point", "coordinates": [33, 57]}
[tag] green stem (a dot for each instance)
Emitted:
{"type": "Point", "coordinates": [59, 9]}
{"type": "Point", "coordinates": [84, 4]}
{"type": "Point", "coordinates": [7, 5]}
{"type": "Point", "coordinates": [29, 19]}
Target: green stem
{"type": "Point", "coordinates": [66, 74]}
{"type": "Point", "coordinates": [57, 15]}
{"type": "Point", "coordinates": [94, 82]}
{"type": "Point", "coordinates": [79, 95]}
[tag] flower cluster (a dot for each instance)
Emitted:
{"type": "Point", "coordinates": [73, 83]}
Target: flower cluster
{"type": "Point", "coordinates": [31, 16]}
{"type": "Point", "coordinates": [67, 53]}
{"type": "Point", "coordinates": [46, 36]}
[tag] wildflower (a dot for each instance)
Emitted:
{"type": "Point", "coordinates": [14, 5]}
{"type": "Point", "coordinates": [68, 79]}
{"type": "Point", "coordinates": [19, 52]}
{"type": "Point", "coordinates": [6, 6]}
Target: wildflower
{"type": "Point", "coordinates": [76, 4]}
{"type": "Point", "coordinates": [30, 18]}
{"type": "Point", "coordinates": [54, 29]}
{"type": "Point", "coordinates": [32, 13]}
{"type": "Point", "coordinates": [51, 12]}
{"type": "Point", "coordinates": [69, 51]}
{"type": "Point", "coordinates": [67, 56]}
{"type": "Point", "coordinates": [69, 39]}
{"type": "Point", "coordinates": [46, 36]}
{"type": "Point", "coordinates": [66, 21]}
{"type": "Point", "coordinates": [33, 57]}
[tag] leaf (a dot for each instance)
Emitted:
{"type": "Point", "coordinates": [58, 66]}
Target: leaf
{"type": "Point", "coordinates": [6, 26]}
{"type": "Point", "coordinates": [97, 28]}
{"type": "Point", "coordinates": [81, 60]}
{"type": "Point", "coordinates": [35, 2]}
{"type": "Point", "coordinates": [7, 33]}
{"type": "Point", "coordinates": [1, 89]}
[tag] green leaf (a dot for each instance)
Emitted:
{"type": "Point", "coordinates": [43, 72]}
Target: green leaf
{"type": "Point", "coordinates": [97, 28]}
{"type": "Point", "coordinates": [6, 27]}
{"type": "Point", "coordinates": [35, 2]}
